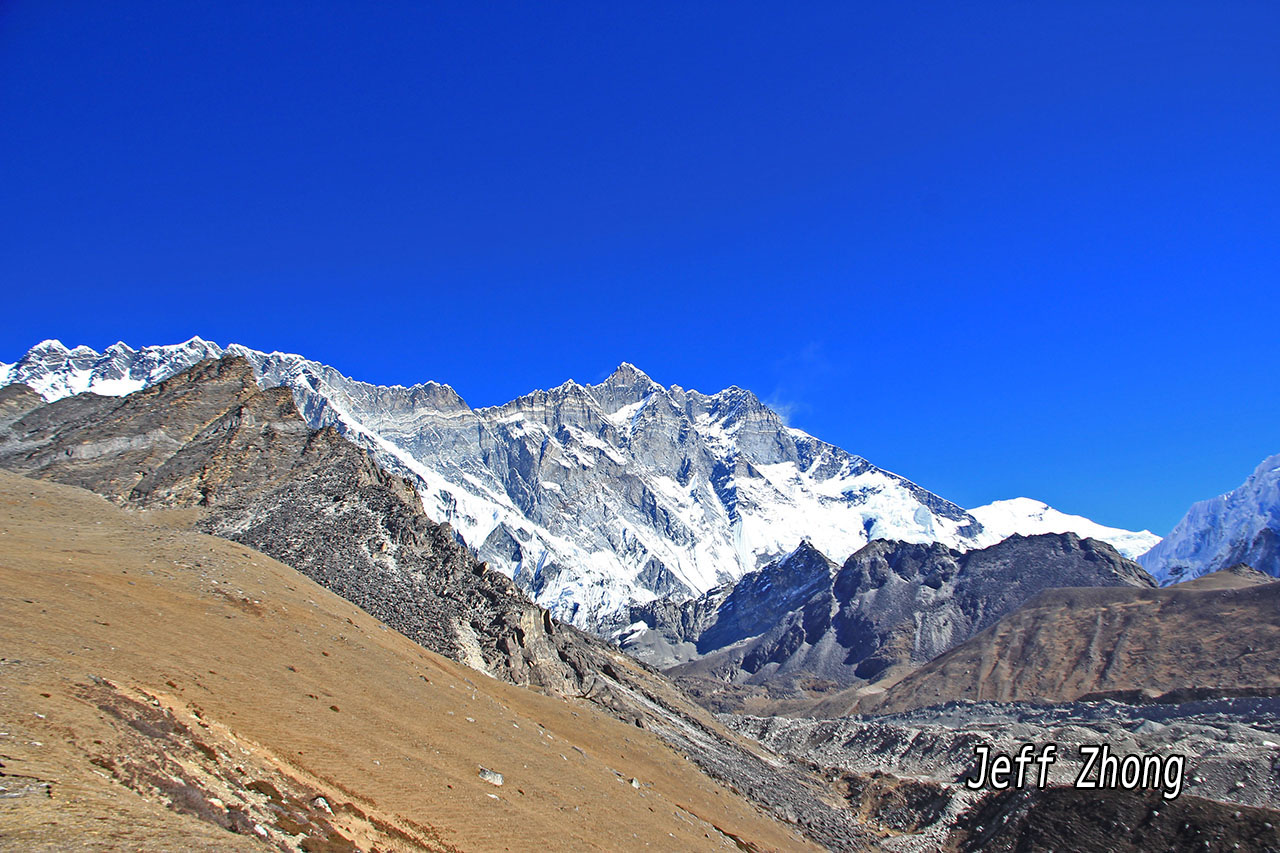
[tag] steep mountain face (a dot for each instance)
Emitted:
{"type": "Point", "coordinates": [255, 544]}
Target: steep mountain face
{"type": "Point", "coordinates": [1002, 519]}
{"type": "Point", "coordinates": [593, 498]}
{"type": "Point", "coordinates": [208, 441]}
{"type": "Point", "coordinates": [1242, 526]}
{"type": "Point", "coordinates": [1210, 637]}
{"type": "Point", "coordinates": [664, 633]}
{"type": "Point", "coordinates": [892, 605]}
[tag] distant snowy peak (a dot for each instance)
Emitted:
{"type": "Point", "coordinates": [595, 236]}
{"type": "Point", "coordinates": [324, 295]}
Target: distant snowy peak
{"type": "Point", "coordinates": [1242, 526]}
{"type": "Point", "coordinates": [54, 371]}
{"type": "Point", "coordinates": [1028, 517]}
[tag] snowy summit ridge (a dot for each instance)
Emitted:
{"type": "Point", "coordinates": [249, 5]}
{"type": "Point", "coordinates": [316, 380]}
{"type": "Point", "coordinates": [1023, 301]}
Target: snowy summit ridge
{"type": "Point", "coordinates": [593, 497]}
{"type": "Point", "coordinates": [1030, 517]}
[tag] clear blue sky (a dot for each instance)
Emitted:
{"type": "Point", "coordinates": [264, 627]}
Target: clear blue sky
{"type": "Point", "coordinates": [1001, 248]}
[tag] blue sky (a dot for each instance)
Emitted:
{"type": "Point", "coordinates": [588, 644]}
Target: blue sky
{"type": "Point", "coordinates": [1001, 248]}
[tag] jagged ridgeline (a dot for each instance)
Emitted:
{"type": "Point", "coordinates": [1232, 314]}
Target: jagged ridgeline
{"type": "Point", "coordinates": [209, 439]}
{"type": "Point", "coordinates": [804, 625]}
{"type": "Point", "coordinates": [597, 497]}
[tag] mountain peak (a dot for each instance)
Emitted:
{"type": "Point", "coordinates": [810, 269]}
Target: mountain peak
{"type": "Point", "coordinates": [804, 549]}
{"type": "Point", "coordinates": [1029, 516]}
{"type": "Point", "coordinates": [627, 374]}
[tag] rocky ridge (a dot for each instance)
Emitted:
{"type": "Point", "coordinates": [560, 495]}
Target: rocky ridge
{"type": "Point", "coordinates": [664, 633]}
{"type": "Point", "coordinates": [891, 606]}
{"type": "Point", "coordinates": [1217, 635]}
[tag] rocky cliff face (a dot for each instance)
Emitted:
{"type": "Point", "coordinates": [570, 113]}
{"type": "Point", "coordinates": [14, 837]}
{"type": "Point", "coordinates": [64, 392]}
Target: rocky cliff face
{"type": "Point", "coordinates": [665, 633]}
{"type": "Point", "coordinates": [892, 606]}
{"type": "Point", "coordinates": [1242, 526]}
{"type": "Point", "coordinates": [211, 440]}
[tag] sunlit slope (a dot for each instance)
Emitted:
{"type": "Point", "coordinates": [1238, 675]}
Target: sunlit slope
{"type": "Point", "coordinates": [178, 691]}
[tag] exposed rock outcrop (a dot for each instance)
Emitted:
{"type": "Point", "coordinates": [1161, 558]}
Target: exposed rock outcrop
{"type": "Point", "coordinates": [891, 607]}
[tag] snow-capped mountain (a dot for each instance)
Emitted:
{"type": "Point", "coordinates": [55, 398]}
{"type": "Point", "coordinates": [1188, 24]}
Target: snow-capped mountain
{"type": "Point", "coordinates": [54, 371]}
{"type": "Point", "coordinates": [593, 497]}
{"type": "Point", "coordinates": [1242, 526]}
{"type": "Point", "coordinates": [1030, 517]}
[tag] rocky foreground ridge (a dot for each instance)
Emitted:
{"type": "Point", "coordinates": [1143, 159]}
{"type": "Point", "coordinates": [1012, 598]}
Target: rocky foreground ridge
{"type": "Point", "coordinates": [164, 690]}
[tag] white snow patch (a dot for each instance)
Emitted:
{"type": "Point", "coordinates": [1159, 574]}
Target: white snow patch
{"type": "Point", "coordinates": [1002, 519]}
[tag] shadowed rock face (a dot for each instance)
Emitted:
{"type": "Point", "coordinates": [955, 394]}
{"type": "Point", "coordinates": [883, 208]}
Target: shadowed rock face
{"type": "Point", "coordinates": [680, 632]}
{"type": "Point", "coordinates": [892, 605]}
{"type": "Point", "coordinates": [210, 439]}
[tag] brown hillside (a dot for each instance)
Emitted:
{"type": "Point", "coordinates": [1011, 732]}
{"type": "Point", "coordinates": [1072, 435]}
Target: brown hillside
{"type": "Point", "coordinates": [165, 690]}
{"type": "Point", "coordinates": [1215, 634]}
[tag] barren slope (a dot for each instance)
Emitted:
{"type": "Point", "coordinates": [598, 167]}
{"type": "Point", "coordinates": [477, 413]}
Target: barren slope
{"type": "Point", "coordinates": [229, 691]}
{"type": "Point", "coordinates": [1215, 635]}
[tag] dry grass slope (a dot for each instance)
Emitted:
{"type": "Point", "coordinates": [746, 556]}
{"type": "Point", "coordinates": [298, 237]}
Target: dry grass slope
{"type": "Point", "coordinates": [165, 690]}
